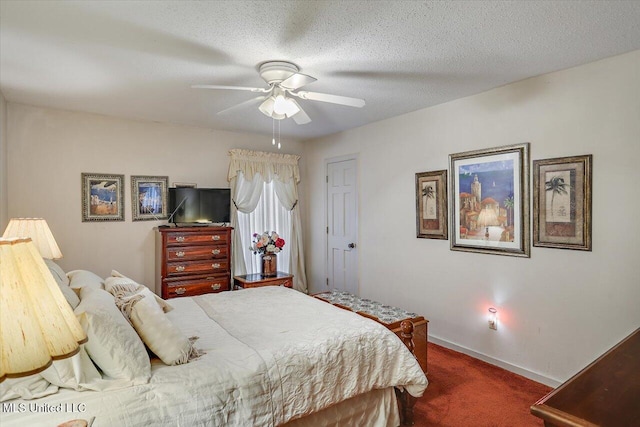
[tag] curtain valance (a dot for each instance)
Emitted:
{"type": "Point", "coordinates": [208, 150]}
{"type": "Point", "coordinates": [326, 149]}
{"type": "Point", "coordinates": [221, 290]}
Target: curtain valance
{"type": "Point", "coordinates": [268, 165]}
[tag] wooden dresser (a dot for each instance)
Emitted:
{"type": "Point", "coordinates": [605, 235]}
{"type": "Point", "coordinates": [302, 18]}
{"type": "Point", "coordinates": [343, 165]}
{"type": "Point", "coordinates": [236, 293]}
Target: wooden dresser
{"type": "Point", "coordinates": [192, 260]}
{"type": "Point", "coordinates": [605, 393]}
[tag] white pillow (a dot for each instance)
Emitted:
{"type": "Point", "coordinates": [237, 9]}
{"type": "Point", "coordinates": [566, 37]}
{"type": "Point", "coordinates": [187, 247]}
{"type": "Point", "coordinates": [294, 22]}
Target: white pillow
{"type": "Point", "coordinates": [57, 271]}
{"type": "Point", "coordinates": [77, 372]}
{"type": "Point", "coordinates": [31, 387]}
{"type": "Point", "coordinates": [114, 284]}
{"type": "Point", "coordinates": [158, 333]}
{"type": "Point", "coordinates": [81, 278]}
{"type": "Point", "coordinates": [63, 283]}
{"type": "Point", "coordinates": [112, 343]}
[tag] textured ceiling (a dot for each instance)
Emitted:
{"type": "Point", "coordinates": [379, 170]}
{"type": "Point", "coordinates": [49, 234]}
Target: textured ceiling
{"type": "Point", "coordinates": [138, 59]}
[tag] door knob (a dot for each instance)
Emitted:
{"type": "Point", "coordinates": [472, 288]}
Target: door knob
{"type": "Point", "coordinates": [351, 245]}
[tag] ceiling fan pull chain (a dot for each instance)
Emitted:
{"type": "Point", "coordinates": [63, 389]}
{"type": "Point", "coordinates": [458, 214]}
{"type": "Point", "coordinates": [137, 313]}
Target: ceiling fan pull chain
{"type": "Point", "coordinates": [279, 135]}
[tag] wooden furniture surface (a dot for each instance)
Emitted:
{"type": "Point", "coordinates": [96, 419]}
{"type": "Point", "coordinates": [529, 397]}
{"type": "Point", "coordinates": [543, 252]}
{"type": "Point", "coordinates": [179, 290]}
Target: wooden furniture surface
{"type": "Point", "coordinates": [605, 393]}
{"type": "Point", "coordinates": [393, 323]}
{"type": "Point", "coordinates": [257, 280]}
{"type": "Point", "coordinates": [192, 260]}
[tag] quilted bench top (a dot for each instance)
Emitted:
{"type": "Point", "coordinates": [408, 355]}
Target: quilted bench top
{"type": "Point", "coordinates": [384, 313]}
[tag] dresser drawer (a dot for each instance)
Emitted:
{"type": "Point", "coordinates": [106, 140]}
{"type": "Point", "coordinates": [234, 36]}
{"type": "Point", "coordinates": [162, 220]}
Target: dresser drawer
{"type": "Point", "coordinates": [212, 266]}
{"type": "Point", "coordinates": [196, 252]}
{"type": "Point", "coordinates": [181, 238]}
{"type": "Point", "coordinates": [192, 287]}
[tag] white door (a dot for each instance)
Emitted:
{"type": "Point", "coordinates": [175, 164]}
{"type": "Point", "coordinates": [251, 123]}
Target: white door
{"type": "Point", "coordinates": [342, 212]}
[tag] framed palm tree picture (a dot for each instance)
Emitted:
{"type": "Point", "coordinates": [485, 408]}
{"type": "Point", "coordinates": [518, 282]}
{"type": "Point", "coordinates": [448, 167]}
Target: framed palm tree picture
{"type": "Point", "coordinates": [431, 205]}
{"type": "Point", "coordinates": [562, 203]}
{"type": "Point", "coordinates": [490, 200]}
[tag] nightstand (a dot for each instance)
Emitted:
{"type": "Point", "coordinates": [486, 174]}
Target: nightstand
{"type": "Point", "coordinates": [257, 280]}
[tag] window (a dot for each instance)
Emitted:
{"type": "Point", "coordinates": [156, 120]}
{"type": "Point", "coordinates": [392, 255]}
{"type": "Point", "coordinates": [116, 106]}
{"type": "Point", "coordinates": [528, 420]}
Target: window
{"type": "Point", "coordinates": [269, 215]}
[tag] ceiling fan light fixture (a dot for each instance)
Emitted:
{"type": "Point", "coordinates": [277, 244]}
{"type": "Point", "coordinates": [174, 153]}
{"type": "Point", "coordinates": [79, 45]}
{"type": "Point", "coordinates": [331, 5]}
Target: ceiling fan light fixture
{"type": "Point", "coordinates": [286, 106]}
{"type": "Point", "coordinates": [267, 106]}
{"type": "Point", "coordinates": [278, 100]}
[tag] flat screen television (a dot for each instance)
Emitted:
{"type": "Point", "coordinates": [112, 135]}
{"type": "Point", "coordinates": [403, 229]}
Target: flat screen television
{"type": "Point", "coordinates": [199, 205]}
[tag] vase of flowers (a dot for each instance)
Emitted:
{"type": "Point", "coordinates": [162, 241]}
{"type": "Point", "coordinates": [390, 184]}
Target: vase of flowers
{"type": "Point", "coordinates": [268, 245]}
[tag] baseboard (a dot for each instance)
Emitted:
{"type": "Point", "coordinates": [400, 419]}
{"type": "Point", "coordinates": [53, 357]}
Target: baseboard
{"type": "Point", "coordinates": [502, 364]}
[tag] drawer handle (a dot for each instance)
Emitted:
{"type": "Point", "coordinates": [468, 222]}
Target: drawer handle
{"type": "Point", "coordinates": [216, 286]}
{"type": "Point", "coordinates": [215, 237]}
{"type": "Point", "coordinates": [180, 239]}
{"type": "Point", "coordinates": [181, 291]}
{"type": "Point", "coordinates": [180, 254]}
{"type": "Point", "coordinates": [216, 251]}
{"type": "Point", "coordinates": [215, 265]}
{"type": "Point", "coordinates": [180, 268]}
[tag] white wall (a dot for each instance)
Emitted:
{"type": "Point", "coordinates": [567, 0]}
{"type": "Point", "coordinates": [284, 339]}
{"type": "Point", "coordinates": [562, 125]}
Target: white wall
{"type": "Point", "coordinates": [3, 165]}
{"type": "Point", "coordinates": [49, 149]}
{"type": "Point", "coordinates": [559, 309]}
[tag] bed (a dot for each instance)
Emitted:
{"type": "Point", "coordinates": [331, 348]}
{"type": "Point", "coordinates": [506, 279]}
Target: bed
{"type": "Point", "coordinates": [263, 357]}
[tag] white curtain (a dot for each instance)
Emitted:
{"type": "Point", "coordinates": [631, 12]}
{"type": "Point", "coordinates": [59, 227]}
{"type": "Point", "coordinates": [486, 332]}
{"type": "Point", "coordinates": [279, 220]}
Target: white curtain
{"type": "Point", "coordinates": [269, 215]}
{"type": "Point", "coordinates": [248, 173]}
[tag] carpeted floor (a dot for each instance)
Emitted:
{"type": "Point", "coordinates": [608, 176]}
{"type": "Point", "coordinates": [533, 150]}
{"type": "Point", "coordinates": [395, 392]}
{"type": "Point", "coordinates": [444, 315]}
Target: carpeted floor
{"type": "Point", "coordinates": [464, 391]}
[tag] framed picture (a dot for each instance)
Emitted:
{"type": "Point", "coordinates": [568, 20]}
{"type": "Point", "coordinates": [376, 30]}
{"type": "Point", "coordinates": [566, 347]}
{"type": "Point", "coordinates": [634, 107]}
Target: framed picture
{"type": "Point", "coordinates": [562, 203]}
{"type": "Point", "coordinates": [490, 201]}
{"type": "Point", "coordinates": [102, 197]}
{"type": "Point", "coordinates": [149, 197]}
{"type": "Point", "coordinates": [431, 205]}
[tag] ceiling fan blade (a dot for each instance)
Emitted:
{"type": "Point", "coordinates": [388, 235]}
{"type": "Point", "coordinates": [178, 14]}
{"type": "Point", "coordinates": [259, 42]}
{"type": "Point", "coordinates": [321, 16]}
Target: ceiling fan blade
{"type": "Point", "coordinates": [334, 99]}
{"type": "Point", "coordinates": [250, 89]}
{"type": "Point", "coordinates": [300, 117]}
{"type": "Point", "coordinates": [296, 81]}
{"type": "Point", "coordinates": [242, 104]}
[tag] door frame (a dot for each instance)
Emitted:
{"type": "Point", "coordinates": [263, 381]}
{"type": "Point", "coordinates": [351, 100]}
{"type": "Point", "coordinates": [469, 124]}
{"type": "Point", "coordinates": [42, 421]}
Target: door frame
{"type": "Point", "coordinates": [327, 161]}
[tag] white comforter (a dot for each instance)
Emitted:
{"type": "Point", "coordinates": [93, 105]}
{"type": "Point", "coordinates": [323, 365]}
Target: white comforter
{"type": "Point", "coordinates": [272, 355]}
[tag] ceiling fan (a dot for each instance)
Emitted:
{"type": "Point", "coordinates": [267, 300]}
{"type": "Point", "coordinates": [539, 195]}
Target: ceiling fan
{"type": "Point", "coordinates": [284, 80]}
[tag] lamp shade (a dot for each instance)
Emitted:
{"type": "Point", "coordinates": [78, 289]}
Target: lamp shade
{"type": "Point", "coordinates": [37, 324]}
{"type": "Point", "coordinates": [38, 230]}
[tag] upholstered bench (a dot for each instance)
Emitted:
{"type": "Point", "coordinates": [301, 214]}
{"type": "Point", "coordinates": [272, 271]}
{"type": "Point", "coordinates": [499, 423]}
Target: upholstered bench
{"type": "Point", "coordinates": [390, 317]}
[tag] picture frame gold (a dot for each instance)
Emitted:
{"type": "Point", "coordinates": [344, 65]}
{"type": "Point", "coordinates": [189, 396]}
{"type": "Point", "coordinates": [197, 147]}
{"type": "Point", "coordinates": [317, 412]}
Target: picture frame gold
{"type": "Point", "coordinates": [102, 197]}
{"type": "Point", "coordinates": [562, 202]}
{"type": "Point", "coordinates": [431, 205]}
{"type": "Point", "coordinates": [149, 197]}
{"type": "Point", "coordinates": [490, 201]}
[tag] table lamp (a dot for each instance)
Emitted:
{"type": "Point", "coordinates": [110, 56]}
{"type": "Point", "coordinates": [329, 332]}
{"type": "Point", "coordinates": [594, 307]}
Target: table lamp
{"type": "Point", "coordinates": [39, 232]}
{"type": "Point", "coordinates": [37, 324]}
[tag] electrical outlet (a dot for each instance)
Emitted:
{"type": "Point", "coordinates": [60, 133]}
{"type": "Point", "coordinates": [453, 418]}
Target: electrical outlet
{"type": "Point", "coordinates": [493, 319]}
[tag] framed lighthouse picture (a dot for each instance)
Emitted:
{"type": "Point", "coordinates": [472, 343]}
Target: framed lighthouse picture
{"type": "Point", "coordinates": [490, 200]}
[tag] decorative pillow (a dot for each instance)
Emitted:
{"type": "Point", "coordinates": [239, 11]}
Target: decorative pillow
{"type": "Point", "coordinates": [119, 283]}
{"type": "Point", "coordinates": [63, 283]}
{"type": "Point", "coordinates": [31, 387]}
{"type": "Point", "coordinates": [77, 372]}
{"type": "Point", "coordinates": [112, 343]}
{"type": "Point", "coordinates": [156, 330]}
{"type": "Point", "coordinates": [81, 278]}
